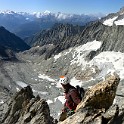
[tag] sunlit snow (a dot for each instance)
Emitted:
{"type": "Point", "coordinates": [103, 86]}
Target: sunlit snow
{"type": "Point", "coordinates": [1, 102]}
{"type": "Point", "coordinates": [62, 54]}
{"type": "Point", "coordinates": [27, 18]}
{"type": "Point", "coordinates": [60, 98]}
{"type": "Point", "coordinates": [119, 22]}
{"type": "Point", "coordinates": [21, 84]}
{"type": "Point", "coordinates": [49, 101]}
{"type": "Point", "coordinates": [46, 77]}
{"type": "Point", "coordinates": [109, 22]}
{"type": "Point", "coordinates": [17, 89]}
{"type": "Point", "coordinates": [78, 56]}
{"type": "Point", "coordinates": [107, 62]}
{"type": "Point", "coordinates": [57, 56]}
{"type": "Point", "coordinates": [40, 92]}
{"type": "Point", "coordinates": [110, 62]}
{"type": "Point", "coordinates": [75, 82]}
{"type": "Point", "coordinates": [47, 12]}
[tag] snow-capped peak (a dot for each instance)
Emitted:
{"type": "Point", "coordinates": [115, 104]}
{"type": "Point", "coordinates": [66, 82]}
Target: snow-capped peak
{"type": "Point", "coordinates": [8, 12]}
{"type": "Point", "coordinates": [60, 15]}
{"type": "Point", "coordinates": [115, 18]}
{"type": "Point", "coordinates": [47, 12]}
{"type": "Point", "coordinates": [41, 14]}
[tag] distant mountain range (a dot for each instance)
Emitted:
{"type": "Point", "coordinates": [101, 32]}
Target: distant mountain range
{"type": "Point", "coordinates": [26, 24]}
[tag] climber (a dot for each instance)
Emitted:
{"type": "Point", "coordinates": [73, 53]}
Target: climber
{"type": "Point", "coordinates": [71, 96]}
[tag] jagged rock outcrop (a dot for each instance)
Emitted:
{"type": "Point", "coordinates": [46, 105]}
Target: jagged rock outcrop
{"type": "Point", "coordinates": [64, 36]}
{"type": "Point", "coordinates": [57, 34]}
{"type": "Point", "coordinates": [24, 108]}
{"type": "Point", "coordinates": [96, 106]}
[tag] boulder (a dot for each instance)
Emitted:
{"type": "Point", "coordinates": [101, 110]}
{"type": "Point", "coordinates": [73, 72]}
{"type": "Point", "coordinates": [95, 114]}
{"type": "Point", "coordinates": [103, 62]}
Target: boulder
{"type": "Point", "coordinates": [102, 94]}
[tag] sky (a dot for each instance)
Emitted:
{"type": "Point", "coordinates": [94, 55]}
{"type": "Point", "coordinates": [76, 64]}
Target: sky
{"type": "Point", "coordinates": [64, 6]}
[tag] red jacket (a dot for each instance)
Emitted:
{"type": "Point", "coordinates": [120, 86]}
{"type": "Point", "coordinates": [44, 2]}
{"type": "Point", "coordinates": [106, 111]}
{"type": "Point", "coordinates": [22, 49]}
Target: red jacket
{"type": "Point", "coordinates": [72, 99]}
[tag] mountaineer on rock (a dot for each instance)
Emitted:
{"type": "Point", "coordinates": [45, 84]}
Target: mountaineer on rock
{"type": "Point", "coordinates": [71, 96]}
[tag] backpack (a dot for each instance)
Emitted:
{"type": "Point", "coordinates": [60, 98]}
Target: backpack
{"type": "Point", "coordinates": [81, 91]}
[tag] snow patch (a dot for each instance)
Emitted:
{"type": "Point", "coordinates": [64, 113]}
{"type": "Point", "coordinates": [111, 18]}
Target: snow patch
{"type": "Point", "coordinates": [57, 56]}
{"type": "Point", "coordinates": [17, 89]}
{"type": "Point", "coordinates": [49, 101]}
{"type": "Point", "coordinates": [21, 84]}
{"type": "Point", "coordinates": [109, 62]}
{"type": "Point", "coordinates": [40, 92]}
{"type": "Point", "coordinates": [60, 98]}
{"type": "Point", "coordinates": [109, 22]}
{"type": "Point", "coordinates": [1, 102]}
{"type": "Point", "coordinates": [79, 52]}
{"type": "Point", "coordinates": [62, 54]}
{"type": "Point", "coordinates": [46, 77]}
{"type": "Point", "coordinates": [47, 12]}
{"type": "Point", "coordinates": [119, 22]}
{"type": "Point", "coordinates": [74, 82]}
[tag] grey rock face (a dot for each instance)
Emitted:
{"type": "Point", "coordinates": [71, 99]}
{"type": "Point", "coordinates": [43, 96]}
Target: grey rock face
{"type": "Point", "coordinates": [64, 36]}
{"type": "Point", "coordinates": [102, 94]}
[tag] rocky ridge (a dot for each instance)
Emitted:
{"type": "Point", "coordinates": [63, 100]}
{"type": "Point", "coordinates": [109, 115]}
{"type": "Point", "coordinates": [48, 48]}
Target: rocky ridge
{"type": "Point", "coordinates": [58, 33]}
{"type": "Point", "coordinates": [25, 108]}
